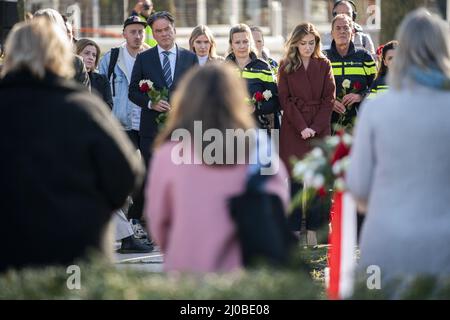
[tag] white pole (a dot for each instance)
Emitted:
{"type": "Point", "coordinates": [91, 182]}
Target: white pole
{"type": "Point", "coordinates": [201, 11]}
{"type": "Point", "coordinates": [448, 11]}
{"type": "Point", "coordinates": [234, 16]}
{"type": "Point", "coordinates": [95, 17]}
{"type": "Point", "coordinates": [277, 19]}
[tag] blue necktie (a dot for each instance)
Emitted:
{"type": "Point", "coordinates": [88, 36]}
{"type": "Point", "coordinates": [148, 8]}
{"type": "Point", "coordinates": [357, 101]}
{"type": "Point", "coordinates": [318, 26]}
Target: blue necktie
{"type": "Point", "coordinates": [167, 71]}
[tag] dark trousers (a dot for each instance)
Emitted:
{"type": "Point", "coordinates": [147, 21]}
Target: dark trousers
{"type": "Point", "coordinates": [317, 215]}
{"type": "Point", "coordinates": [137, 209]}
{"type": "Point", "coordinates": [359, 223]}
{"type": "Point", "coordinates": [134, 137]}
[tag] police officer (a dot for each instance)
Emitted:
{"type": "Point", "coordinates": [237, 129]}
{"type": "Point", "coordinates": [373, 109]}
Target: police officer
{"type": "Point", "coordinates": [258, 75]}
{"type": "Point", "coordinates": [354, 71]}
{"type": "Point", "coordinates": [386, 56]}
{"type": "Point", "coordinates": [143, 9]}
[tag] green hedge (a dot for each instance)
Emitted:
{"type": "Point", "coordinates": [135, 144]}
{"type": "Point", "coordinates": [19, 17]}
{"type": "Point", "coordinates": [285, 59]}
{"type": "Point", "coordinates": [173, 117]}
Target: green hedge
{"type": "Point", "coordinates": [100, 280]}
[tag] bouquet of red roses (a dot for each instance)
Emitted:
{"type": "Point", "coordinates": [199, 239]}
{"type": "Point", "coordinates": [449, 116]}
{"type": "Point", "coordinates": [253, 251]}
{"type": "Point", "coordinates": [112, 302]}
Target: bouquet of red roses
{"type": "Point", "coordinates": [146, 86]}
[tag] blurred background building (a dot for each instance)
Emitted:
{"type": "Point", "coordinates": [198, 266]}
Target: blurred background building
{"type": "Point", "coordinates": [102, 19]}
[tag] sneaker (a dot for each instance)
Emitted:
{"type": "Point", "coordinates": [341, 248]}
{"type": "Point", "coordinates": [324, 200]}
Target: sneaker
{"type": "Point", "coordinates": [138, 230]}
{"type": "Point", "coordinates": [133, 245]}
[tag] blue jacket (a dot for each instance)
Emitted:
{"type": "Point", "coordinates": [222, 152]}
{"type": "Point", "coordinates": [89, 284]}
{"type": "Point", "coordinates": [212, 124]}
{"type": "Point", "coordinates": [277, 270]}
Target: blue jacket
{"type": "Point", "coordinates": [122, 106]}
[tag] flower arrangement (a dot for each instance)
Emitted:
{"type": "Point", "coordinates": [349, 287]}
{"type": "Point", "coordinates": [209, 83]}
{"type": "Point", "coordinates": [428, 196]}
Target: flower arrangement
{"type": "Point", "coordinates": [256, 102]}
{"type": "Point", "coordinates": [347, 88]}
{"type": "Point", "coordinates": [259, 97]}
{"type": "Point", "coordinates": [146, 86]}
{"type": "Point", "coordinates": [323, 169]}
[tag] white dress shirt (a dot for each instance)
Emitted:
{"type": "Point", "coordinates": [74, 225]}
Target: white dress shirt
{"type": "Point", "coordinates": [172, 58]}
{"type": "Point", "coordinates": [172, 61]}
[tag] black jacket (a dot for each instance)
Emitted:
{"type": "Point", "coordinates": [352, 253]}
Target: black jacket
{"type": "Point", "coordinates": [259, 77]}
{"type": "Point", "coordinates": [357, 66]}
{"type": "Point", "coordinates": [81, 75]}
{"type": "Point", "coordinates": [100, 85]}
{"type": "Point", "coordinates": [148, 67]}
{"type": "Point", "coordinates": [65, 167]}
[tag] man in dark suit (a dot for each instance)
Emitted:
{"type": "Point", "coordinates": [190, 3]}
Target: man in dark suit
{"type": "Point", "coordinates": [164, 65]}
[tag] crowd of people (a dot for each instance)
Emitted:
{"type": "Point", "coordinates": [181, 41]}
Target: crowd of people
{"type": "Point", "coordinates": [80, 155]}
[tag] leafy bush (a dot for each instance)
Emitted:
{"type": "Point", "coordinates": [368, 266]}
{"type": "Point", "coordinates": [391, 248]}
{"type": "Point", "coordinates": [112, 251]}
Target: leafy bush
{"type": "Point", "coordinates": [100, 280]}
{"type": "Point", "coordinates": [407, 288]}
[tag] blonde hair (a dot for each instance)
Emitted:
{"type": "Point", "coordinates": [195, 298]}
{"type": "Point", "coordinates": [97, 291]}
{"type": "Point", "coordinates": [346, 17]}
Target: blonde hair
{"type": "Point", "coordinates": [83, 43]}
{"type": "Point", "coordinates": [203, 30]}
{"type": "Point", "coordinates": [209, 104]}
{"type": "Point", "coordinates": [424, 44]}
{"type": "Point", "coordinates": [38, 46]}
{"type": "Point", "coordinates": [52, 16]}
{"type": "Point", "coordinates": [292, 60]}
{"type": "Point", "coordinates": [242, 27]}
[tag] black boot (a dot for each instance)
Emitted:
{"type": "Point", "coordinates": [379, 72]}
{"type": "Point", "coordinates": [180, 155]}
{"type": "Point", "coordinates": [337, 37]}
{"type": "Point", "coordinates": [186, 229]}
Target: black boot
{"type": "Point", "coordinates": [133, 245]}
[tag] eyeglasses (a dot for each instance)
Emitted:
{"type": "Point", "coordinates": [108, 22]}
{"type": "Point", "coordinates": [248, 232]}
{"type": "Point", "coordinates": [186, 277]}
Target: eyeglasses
{"type": "Point", "coordinates": [146, 7]}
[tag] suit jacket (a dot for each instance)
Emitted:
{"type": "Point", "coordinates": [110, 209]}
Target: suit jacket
{"type": "Point", "coordinates": [148, 67]}
{"type": "Point", "coordinates": [306, 98]}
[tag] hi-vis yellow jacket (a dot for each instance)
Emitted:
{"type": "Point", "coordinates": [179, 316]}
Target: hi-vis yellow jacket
{"type": "Point", "coordinates": [378, 86]}
{"type": "Point", "coordinates": [358, 67]}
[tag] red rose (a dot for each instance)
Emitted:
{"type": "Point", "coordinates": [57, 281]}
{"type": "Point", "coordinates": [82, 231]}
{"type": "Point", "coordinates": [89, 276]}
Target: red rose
{"type": "Point", "coordinates": [259, 96]}
{"type": "Point", "coordinates": [144, 88]}
{"type": "Point", "coordinates": [322, 192]}
{"type": "Point", "coordinates": [357, 86]}
{"type": "Point", "coordinates": [341, 151]}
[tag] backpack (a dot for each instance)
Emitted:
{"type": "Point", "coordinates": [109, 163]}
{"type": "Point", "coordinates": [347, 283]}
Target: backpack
{"type": "Point", "coordinates": [112, 65]}
{"type": "Point", "coordinates": [261, 225]}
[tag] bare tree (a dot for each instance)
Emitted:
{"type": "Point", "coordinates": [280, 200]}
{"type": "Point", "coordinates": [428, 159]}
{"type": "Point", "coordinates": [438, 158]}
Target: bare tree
{"type": "Point", "coordinates": [164, 5]}
{"type": "Point", "coordinates": [393, 12]}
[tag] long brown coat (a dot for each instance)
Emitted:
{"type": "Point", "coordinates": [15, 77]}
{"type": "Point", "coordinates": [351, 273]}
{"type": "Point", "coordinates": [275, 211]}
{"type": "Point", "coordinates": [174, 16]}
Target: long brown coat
{"type": "Point", "coordinates": [306, 98]}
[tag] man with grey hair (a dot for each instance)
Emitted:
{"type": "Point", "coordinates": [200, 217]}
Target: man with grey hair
{"type": "Point", "coordinates": [81, 75]}
{"type": "Point", "coordinates": [360, 39]}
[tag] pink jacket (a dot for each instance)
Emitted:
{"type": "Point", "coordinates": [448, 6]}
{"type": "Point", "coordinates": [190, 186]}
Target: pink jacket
{"type": "Point", "coordinates": [186, 210]}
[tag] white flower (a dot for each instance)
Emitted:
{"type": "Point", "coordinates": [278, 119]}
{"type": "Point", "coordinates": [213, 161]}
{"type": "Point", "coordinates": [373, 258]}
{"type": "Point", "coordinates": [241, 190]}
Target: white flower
{"type": "Point", "coordinates": [267, 95]}
{"type": "Point", "coordinates": [317, 153]}
{"type": "Point", "coordinates": [346, 84]}
{"type": "Point", "coordinates": [332, 141]}
{"type": "Point", "coordinates": [339, 184]}
{"type": "Point", "coordinates": [337, 168]}
{"type": "Point", "coordinates": [347, 139]}
{"type": "Point", "coordinates": [345, 162]}
{"type": "Point", "coordinates": [308, 178]}
{"type": "Point", "coordinates": [148, 82]}
{"type": "Point", "coordinates": [318, 181]}
{"type": "Point", "coordinates": [299, 169]}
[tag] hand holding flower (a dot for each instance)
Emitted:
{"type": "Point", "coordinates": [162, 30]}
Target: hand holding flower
{"type": "Point", "coordinates": [338, 107]}
{"type": "Point", "coordinates": [158, 98]}
{"type": "Point", "coordinates": [351, 98]}
{"type": "Point", "coordinates": [161, 106]}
